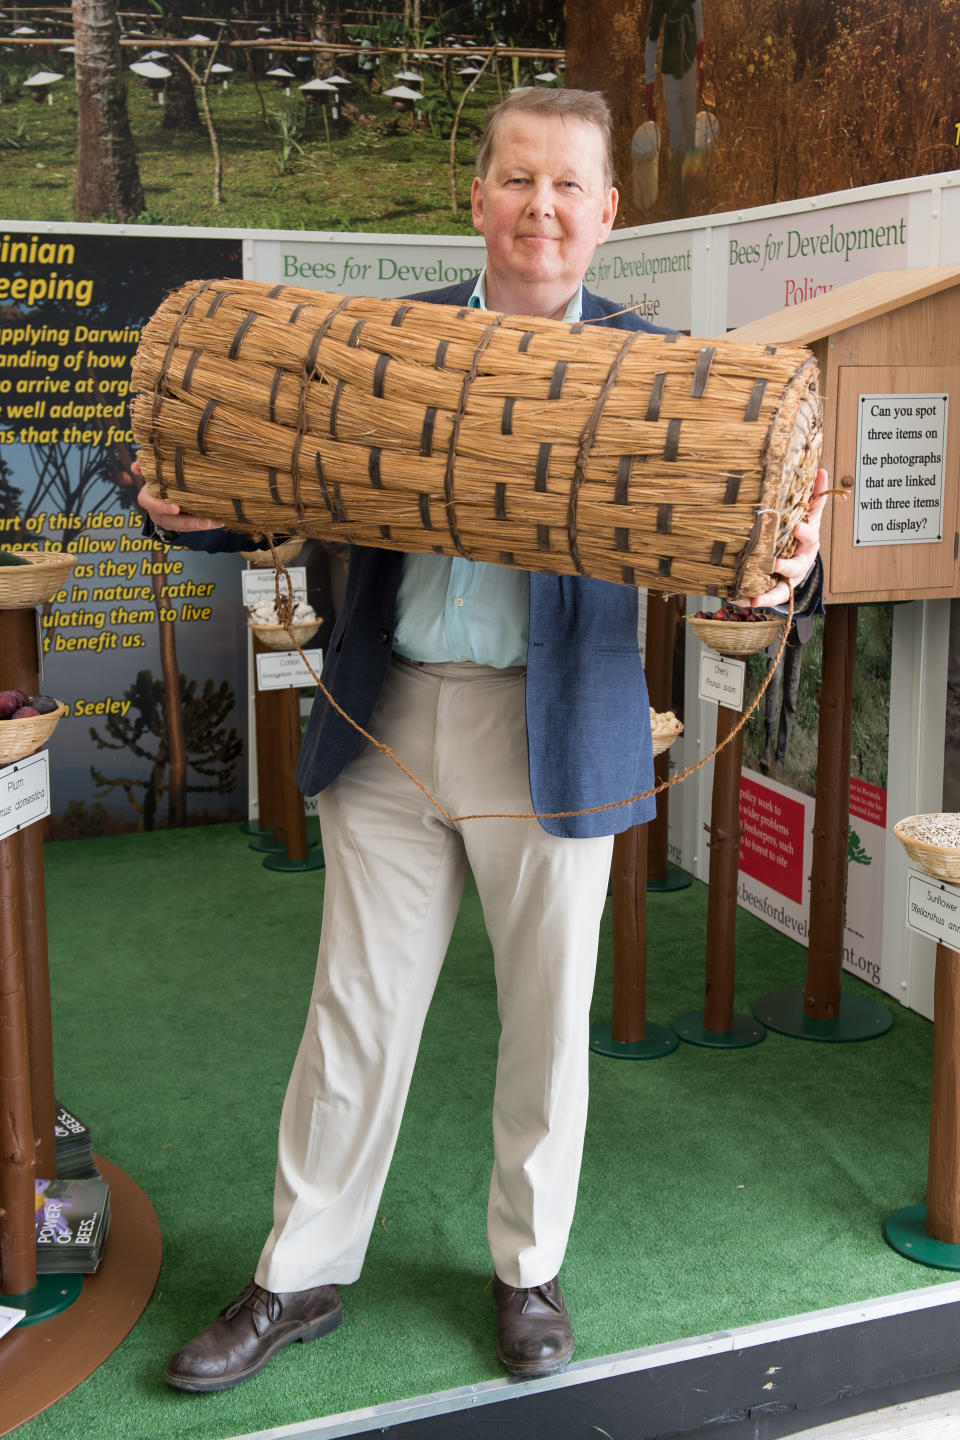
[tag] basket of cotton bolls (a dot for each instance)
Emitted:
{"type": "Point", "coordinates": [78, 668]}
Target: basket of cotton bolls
{"type": "Point", "coordinates": [265, 624]}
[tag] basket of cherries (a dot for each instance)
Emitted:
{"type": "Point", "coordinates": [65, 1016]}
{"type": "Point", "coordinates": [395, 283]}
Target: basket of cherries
{"type": "Point", "coordinates": [732, 631]}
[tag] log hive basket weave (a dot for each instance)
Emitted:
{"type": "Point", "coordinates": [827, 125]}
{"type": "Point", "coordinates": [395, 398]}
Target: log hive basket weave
{"type": "Point", "coordinates": [567, 448]}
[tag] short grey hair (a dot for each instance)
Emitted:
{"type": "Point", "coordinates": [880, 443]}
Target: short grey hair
{"type": "Point", "coordinates": [587, 105]}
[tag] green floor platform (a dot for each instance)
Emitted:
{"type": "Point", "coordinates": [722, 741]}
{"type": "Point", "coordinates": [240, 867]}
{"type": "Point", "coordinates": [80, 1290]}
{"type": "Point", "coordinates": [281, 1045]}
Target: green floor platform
{"type": "Point", "coordinates": [720, 1188]}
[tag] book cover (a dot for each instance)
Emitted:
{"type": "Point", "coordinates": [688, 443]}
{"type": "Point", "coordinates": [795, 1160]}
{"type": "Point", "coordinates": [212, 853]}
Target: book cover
{"type": "Point", "coordinates": [72, 1219]}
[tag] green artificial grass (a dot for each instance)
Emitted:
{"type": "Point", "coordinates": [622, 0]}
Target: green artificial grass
{"type": "Point", "coordinates": [719, 1188]}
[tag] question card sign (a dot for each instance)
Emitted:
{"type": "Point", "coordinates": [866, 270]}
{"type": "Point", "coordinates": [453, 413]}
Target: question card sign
{"type": "Point", "coordinates": [901, 444]}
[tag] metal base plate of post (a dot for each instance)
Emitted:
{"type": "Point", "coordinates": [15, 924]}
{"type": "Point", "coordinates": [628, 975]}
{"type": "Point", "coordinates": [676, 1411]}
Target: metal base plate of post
{"type": "Point", "coordinates": [253, 827]}
{"type": "Point", "coordinates": [267, 844]}
{"type": "Point", "coordinates": [659, 1041]}
{"type": "Point", "coordinates": [51, 1295]}
{"type": "Point", "coordinates": [675, 879]}
{"type": "Point", "coordinates": [744, 1032]}
{"type": "Point", "coordinates": [860, 1018]}
{"type": "Point", "coordinates": [906, 1231]}
{"type": "Point", "coordinates": [314, 861]}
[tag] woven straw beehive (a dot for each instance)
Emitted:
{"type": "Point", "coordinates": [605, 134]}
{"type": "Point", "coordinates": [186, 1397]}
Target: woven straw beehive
{"type": "Point", "coordinates": [567, 448]}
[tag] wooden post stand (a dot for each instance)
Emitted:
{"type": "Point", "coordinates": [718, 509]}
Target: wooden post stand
{"type": "Point", "coordinates": [26, 1069]}
{"type": "Point", "coordinates": [27, 1106]}
{"type": "Point", "coordinates": [265, 715]}
{"type": "Point", "coordinates": [18, 1167]}
{"type": "Point", "coordinates": [930, 1234]}
{"type": "Point", "coordinates": [828, 880]}
{"type": "Point", "coordinates": [281, 804]}
{"type": "Point", "coordinates": [658, 667]}
{"type": "Point", "coordinates": [262, 829]}
{"type": "Point", "coordinates": [81, 1324]}
{"type": "Point", "coordinates": [718, 1026]}
{"type": "Point", "coordinates": [629, 1036]}
{"type": "Point", "coordinates": [943, 1169]}
{"type": "Point", "coordinates": [820, 1012]}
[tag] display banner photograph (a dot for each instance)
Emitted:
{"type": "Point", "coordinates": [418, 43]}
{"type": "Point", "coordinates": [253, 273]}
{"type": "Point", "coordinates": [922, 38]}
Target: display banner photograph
{"type": "Point", "coordinates": [137, 632]}
{"type": "Point", "coordinates": [778, 788]}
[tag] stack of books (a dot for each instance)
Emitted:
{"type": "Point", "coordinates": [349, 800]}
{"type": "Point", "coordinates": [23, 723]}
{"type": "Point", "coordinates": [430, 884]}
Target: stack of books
{"type": "Point", "coordinates": [73, 1146]}
{"type": "Point", "coordinates": [72, 1220]}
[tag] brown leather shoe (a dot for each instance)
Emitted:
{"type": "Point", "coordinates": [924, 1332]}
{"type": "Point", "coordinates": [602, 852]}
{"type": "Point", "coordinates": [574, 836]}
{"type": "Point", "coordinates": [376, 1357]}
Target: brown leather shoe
{"type": "Point", "coordinates": [249, 1332]}
{"type": "Point", "coordinates": [534, 1332]}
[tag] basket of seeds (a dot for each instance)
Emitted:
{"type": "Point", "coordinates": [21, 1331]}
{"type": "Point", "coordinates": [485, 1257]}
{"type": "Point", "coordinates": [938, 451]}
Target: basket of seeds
{"type": "Point", "coordinates": [932, 843]}
{"type": "Point", "coordinates": [664, 727]}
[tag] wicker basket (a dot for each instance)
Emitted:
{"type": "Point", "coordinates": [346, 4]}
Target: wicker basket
{"type": "Point", "coordinates": [276, 637]}
{"type": "Point", "coordinates": [736, 637]}
{"type": "Point", "coordinates": [568, 448]}
{"type": "Point", "coordinates": [940, 861]}
{"type": "Point", "coordinates": [20, 738]}
{"type": "Point", "coordinates": [22, 587]}
{"type": "Point", "coordinates": [664, 728]}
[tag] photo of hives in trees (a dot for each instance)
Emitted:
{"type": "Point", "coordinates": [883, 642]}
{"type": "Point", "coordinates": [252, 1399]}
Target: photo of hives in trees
{"type": "Point", "coordinates": [325, 118]}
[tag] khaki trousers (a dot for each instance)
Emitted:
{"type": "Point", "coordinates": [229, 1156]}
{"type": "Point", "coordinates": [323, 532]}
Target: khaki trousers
{"type": "Point", "coordinates": [395, 872]}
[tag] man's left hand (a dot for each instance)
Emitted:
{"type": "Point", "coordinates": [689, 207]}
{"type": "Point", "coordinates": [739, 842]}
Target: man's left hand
{"type": "Point", "coordinates": [798, 566]}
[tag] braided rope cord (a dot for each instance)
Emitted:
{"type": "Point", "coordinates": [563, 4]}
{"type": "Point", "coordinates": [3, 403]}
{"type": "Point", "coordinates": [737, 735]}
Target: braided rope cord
{"type": "Point", "coordinates": [285, 613]}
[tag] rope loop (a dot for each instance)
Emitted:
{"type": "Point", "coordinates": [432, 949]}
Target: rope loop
{"type": "Point", "coordinates": [285, 615]}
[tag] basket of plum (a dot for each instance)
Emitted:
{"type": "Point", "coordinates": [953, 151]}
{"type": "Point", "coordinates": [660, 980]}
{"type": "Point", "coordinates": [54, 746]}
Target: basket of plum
{"type": "Point", "coordinates": [26, 723]}
{"type": "Point", "coordinates": [731, 631]}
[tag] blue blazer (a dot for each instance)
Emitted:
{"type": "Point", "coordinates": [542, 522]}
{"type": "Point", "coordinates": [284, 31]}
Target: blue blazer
{"type": "Point", "coordinates": [588, 714]}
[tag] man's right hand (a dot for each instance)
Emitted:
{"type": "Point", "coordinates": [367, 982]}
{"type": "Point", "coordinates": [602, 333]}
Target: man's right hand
{"type": "Point", "coordinates": [165, 514]}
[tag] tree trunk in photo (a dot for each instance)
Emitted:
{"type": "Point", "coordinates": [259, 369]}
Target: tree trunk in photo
{"type": "Point", "coordinates": [108, 182]}
{"type": "Point", "coordinates": [172, 700]}
{"type": "Point", "coordinates": [180, 103]}
{"type": "Point", "coordinates": [326, 27]}
{"type": "Point", "coordinates": [604, 46]}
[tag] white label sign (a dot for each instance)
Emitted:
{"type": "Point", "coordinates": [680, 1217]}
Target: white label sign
{"type": "Point", "coordinates": [722, 680]}
{"type": "Point", "coordinates": [933, 908]}
{"type": "Point", "coordinates": [260, 584]}
{"type": "Point", "coordinates": [10, 1317]}
{"type": "Point", "coordinates": [24, 793]}
{"type": "Point", "coordinates": [901, 442]}
{"type": "Point", "coordinates": [284, 669]}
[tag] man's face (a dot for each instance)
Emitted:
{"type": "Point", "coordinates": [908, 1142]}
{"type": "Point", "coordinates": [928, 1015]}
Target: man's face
{"type": "Point", "coordinates": [542, 209]}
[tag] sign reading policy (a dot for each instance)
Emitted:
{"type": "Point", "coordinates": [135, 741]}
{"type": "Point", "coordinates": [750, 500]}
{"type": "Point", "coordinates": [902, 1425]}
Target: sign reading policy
{"type": "Point", "coordinates": [787, 259]}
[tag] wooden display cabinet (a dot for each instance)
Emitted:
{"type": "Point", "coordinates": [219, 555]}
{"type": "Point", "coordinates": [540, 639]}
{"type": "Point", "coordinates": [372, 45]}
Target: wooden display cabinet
{"type": "Point", "coordinates": [893, 334]}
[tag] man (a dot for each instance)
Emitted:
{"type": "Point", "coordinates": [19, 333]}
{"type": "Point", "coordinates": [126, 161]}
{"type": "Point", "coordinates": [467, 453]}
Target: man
{"type": "Point", "coordinates": [506, 692]}
{"type": "Point", "coordinates": [778, 719]}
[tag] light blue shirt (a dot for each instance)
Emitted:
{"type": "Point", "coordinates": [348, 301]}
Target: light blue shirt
{"type": "Point", "coordinates": [449, 608]}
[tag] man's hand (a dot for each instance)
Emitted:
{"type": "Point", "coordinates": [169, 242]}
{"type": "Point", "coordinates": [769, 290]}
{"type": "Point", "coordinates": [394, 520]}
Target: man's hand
{"type": "Point", "coordinates": [165, 514]}
{"type": "Point", "coordinates": [798, 566]}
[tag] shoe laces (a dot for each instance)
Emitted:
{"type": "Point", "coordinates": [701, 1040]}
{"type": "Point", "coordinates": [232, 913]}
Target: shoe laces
{"type": "Point", "coordinates": [259, 1301]}
{"type": "Point", "coordinates": [549, 1292]}
{"type": "Point", "coordinates": [546, 1292]}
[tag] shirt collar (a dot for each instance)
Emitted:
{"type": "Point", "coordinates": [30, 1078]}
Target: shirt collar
{"type": "Point", "coordinates": [478, 300]}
